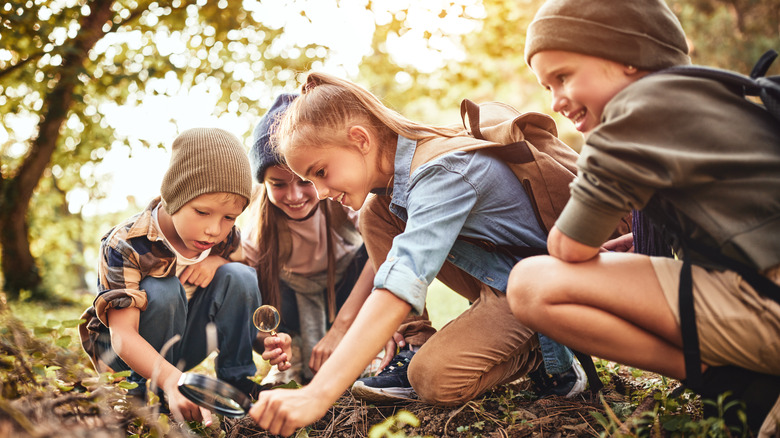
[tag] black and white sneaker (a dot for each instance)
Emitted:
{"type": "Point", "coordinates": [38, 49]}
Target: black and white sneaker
{"type": "Point", "coordinates": [567, 384]}
{"type": "Point", "coordinates": [391, 384]}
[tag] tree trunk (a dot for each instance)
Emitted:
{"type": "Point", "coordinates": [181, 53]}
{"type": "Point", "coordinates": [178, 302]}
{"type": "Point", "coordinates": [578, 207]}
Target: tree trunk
{"type": "Point", "coordinates": [19, 268]}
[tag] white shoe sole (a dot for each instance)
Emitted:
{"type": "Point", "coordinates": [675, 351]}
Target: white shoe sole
{"type": "Point", "coordinates": [582, 379]}
{"type": "Point", "coordinates": [362, 392]}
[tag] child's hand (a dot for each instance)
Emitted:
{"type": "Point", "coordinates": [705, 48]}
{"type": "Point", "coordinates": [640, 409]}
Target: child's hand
{"type": "Point", "coordinates": [396, 342]}
{"type": "Point", "coordinates": [324, 348]}
{"type": "Point", "coordinates": [185, 410]}
{"type": "Point", "coordinates": [624, 243]}
{"type": "Point", "coordinates": [278, 350]}
{"type": "Point", "coordinates": [200, 274]}
{"type": "Point", "coordinates": [282, 411]}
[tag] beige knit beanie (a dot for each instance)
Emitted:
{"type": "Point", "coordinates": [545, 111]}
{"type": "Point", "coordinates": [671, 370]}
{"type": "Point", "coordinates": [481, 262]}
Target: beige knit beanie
{"type": "Point", "coordinates": [643, 33]}
{"type": "Point", "coordinates": [205, 160]}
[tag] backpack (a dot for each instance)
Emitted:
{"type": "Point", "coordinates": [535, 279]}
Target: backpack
{"type": "Point", "coordinates": [767, 89]}
{"type": "Point", "coordinates": [527, 142]}
{"type": "Point", "coordinates": [544, 165]}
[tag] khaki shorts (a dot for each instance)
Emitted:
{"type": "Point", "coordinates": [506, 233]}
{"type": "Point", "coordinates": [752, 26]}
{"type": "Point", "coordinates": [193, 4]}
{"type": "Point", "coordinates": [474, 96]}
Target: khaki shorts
{"type": "Point", "coordinates": [736, 325]}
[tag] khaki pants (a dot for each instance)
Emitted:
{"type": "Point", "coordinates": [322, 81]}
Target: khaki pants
{"type": "Point", "coordinates": [483, 347]}
{"type": "Point", "coordinates": [736, 325]}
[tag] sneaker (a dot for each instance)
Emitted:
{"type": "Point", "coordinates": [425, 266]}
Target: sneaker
{"type": "Point", "coordinates": [391, 384]}
{"type": "Point", "coordinates": [566, 384]}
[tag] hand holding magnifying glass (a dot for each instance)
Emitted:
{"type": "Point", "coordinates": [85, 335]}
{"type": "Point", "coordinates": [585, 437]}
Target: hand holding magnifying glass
{"type": "Point", "coordinates": [266, 318]}
{"type": "Point", "coordinates": [219, 396]}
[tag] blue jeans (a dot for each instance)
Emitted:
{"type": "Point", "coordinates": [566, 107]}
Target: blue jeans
{"type": "Point", "coordinates": [557, 357]}
{"type": "Point", "coordinates": [228, 302]}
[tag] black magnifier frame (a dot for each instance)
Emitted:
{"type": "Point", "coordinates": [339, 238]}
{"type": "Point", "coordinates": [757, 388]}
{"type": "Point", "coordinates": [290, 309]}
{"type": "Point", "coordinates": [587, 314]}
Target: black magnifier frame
{"type": "Point", "coordinates": [215, 395]}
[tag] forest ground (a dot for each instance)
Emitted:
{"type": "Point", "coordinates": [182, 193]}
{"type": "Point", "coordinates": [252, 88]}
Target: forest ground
{"type": "Point", "coordinates": [50, 390]}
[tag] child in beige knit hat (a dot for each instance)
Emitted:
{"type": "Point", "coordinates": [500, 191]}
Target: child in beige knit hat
{"type": "Point", "coordinates": [165, 275]}
{"type": "Point", "coordinates": [694, 157]}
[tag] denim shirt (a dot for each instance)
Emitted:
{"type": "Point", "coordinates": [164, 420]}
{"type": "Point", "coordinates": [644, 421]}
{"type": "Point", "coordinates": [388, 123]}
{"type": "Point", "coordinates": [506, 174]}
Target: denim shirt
{"type": "Point", "coordinates": [463, 193]}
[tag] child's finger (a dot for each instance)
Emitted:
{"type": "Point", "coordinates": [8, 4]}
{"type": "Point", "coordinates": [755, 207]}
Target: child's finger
{"type": "Point", "coordinates": [185, 275]}
{"type": "Point", "coordinates": [206, 415]}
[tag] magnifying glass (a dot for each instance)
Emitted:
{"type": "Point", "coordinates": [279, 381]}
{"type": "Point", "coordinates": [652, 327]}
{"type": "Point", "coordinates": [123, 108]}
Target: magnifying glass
{"type": "Point", "coordinates": [266, 318]}
{"type": "Point", "coordinates": [221, 397]}
{"type": "Point", "coordinates": [214, 395]}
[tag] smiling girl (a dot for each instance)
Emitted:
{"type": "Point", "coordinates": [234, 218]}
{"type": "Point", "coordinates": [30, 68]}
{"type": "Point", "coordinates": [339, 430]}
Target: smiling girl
{"type": "Point", "coordinates": [309, 256]}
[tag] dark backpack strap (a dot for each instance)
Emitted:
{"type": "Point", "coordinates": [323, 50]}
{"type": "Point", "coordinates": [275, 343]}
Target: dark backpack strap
{"type": "Point", "coordinates": [760, 283]}
{"type": "Point", "coordinates": [690, 337]}
{"type": "Point", "coordinates": [767, 88]}
{"type": "Point", "coordinates": [590, 370]}
{"type": "Point", "coordinates": [763, 64]}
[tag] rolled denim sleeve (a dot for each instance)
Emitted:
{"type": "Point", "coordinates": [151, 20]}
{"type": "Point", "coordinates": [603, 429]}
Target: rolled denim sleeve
{"type": "Point", "coordinates": [440, 200]}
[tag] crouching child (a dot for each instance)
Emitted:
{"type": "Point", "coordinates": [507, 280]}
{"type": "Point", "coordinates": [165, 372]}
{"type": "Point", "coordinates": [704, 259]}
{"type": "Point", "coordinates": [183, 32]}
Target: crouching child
{"type": "Point", "coordinates": [165, 274]}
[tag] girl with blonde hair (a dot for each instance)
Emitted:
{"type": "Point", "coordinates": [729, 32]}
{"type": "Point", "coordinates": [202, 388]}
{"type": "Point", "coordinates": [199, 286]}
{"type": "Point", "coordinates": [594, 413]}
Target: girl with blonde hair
{"type": "Point", "coordinates": [359, 153]}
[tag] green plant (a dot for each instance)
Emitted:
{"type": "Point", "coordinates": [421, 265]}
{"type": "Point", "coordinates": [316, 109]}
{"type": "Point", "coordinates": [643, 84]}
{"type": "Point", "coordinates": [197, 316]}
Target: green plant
{"type": "Point", "coordinates": [393, 426]}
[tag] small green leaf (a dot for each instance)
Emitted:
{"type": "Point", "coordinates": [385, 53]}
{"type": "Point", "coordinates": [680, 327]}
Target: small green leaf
{"type": "Point", "coordinates": [119, 374]}
{"type": "Point", "coordinates": [292, 384]}
{"type": "Point", "coordinates": [407, 417]}
{"type": "Point", "coordinates": [63, 341]}
{"type": "Point", "coordinates": [72, 323]}
{"type": "Point", "coordinates": [127, 385]}
{"type": "Point", "coordinates": [42, 331]}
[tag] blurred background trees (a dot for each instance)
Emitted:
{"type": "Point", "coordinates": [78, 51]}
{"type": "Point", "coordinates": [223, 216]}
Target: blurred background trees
{"type": "Point", "coordinates": [66, 65]}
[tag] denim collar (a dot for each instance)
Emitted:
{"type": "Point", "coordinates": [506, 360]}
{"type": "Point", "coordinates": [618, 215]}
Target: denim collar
{"type": "Point", "coordinates": [404, 153]}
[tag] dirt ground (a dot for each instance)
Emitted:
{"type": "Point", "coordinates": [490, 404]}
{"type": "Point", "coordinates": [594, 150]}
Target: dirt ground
{"type": "Point", "coordinates": [48, 391]}
{"type": "Point", "coordinates": [508, 411]}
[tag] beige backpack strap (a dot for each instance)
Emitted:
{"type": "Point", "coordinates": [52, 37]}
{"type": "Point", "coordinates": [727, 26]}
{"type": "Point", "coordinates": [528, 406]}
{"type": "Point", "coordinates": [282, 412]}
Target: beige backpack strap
{"type": "Point", "coordinates": [431, 148]}
{"type": "Point", "coordinates": [527, 142]}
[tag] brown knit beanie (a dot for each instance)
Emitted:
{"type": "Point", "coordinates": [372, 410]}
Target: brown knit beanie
{"type": "Point", "coordinates": [643, 33]}
{"type": "Point", "coordinates": [205, 160]}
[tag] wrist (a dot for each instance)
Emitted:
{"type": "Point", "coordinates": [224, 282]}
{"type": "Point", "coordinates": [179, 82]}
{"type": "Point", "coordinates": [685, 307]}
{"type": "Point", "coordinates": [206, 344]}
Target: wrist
{"type": "Point", "coordinates": [340, 326]}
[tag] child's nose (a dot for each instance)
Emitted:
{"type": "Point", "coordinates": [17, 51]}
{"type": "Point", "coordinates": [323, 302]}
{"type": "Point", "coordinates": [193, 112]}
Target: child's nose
{"type": "Point", "coordinates": [322, 193]}
{"type": "Point", "coordinates": [213, 228]}
{"type": "Point", "coordinates": [559, 101]}
{"type": "Point", "coordinates": [295, 193]}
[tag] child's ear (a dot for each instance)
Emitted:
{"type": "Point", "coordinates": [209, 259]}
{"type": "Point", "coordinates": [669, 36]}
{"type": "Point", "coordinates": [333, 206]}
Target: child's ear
{"type": "Point", "coordinates": [360, 138]}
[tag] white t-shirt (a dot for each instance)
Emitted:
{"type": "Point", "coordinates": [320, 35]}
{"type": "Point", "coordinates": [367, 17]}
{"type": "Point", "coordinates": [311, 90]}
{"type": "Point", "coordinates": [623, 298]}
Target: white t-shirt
{"type": "Point", "coordinates": [181, 261]}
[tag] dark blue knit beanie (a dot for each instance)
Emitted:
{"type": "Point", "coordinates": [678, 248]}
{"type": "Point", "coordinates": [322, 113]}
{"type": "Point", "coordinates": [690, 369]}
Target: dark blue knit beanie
{"type": "Point", "coordinates": [261, 156]}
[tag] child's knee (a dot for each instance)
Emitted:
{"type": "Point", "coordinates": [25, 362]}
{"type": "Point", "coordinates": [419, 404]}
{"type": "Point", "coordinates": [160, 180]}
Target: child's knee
{"type": "Point", "coordinates": [241, 281]}
{"type": "Point", "coordinates": [435, 386]}
{"type": "Point", "coordinates": [526, 282]}
{"type": "Point", "coordinates": [239, 274]}
{"type": "Point", "coordinates": [165, 296]}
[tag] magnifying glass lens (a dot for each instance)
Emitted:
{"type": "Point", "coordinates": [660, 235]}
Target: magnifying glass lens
{"type": "Point", "coordinates": [214, 395]}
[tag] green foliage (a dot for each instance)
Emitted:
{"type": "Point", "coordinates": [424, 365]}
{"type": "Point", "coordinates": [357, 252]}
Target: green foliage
{"type": "Point", "coordinates": [149, 48]}
{"type": "Point", "coordinates": [668, 417]}
{"type": "Point", "coordinates": [730, 34]}
{"type": "Point", "coordinates": [393, 426]}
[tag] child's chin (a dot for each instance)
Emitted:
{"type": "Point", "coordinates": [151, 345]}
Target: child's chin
{"type": "Point", "coordinates": [299, 214]}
